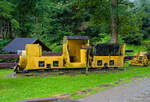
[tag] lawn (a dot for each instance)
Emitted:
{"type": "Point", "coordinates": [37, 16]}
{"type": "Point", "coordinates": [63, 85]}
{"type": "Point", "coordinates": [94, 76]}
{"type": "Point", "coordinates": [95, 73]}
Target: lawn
{"type": "Point", "coordinates": [14, 89]}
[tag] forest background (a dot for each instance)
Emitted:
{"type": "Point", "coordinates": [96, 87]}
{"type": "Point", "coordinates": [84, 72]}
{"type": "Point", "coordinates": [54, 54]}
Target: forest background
{"type": "Point", "coordinates": [51, 20]}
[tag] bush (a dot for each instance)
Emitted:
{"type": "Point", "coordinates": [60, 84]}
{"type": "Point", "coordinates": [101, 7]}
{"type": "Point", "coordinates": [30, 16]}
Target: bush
{"type": "Point", "coordinates": [56, 48]}
{"type": "Point", "coordinates": [133, 38]}
{"type": "Point", "coordinates": [3, 43]}
{"type": "Point", "coordinates": [101, 38]}
{"type": "Point", "coordinates": [105, 38]}
{"type": "Point", "coordinates": [147, 45]}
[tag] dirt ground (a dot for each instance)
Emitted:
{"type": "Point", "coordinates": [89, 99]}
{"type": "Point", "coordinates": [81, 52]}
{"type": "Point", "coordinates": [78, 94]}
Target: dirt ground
{"type": "Point", "coordinates": [135, 91]}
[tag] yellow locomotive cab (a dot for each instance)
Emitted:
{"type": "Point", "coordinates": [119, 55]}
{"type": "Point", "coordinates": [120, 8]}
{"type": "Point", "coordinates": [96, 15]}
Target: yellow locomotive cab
{"type": "Point", "coordinates": [74, 52]}
{"type": "Point", "coordinates": [74, 56]}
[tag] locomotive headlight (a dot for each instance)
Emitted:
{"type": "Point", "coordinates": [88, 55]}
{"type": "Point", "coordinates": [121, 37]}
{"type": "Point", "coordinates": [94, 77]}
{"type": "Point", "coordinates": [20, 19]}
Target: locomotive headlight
{"type": "Point", "coordinates": [111, 62]}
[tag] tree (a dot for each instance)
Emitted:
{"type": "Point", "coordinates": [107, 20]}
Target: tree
{"type": "Point", "coordinates": [144, 5]}
{"type": "Point", "coordinates": [26, 15]}
{"type": "Point", "coordinates": [8, 24]}
{"type": "Point", "coordinates": [51, 20]}
{"type": "Point", "coordinates": [114, 17]}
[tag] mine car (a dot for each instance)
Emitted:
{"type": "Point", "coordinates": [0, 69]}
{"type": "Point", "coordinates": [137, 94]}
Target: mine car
{"type": "Point", "coordinates": [108, 55]}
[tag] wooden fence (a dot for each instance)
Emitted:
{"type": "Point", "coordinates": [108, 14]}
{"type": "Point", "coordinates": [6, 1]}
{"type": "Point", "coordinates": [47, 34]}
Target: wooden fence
{"type": "Point", "coordinates": [2, 56]}
{"type": "Point", "coordinates": [8, 64]}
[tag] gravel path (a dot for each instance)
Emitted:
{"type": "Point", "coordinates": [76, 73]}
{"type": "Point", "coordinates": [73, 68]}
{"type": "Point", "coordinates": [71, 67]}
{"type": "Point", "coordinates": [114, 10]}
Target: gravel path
{"type": "Point", "coordinates": [135, 91]}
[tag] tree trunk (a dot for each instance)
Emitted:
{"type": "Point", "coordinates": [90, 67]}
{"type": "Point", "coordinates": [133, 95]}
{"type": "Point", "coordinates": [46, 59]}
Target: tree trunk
{"type": "Point", "coordinates": [37, 21]}
{"type": "Point", "coordinates": [1, 30]}
{"type": "Point", "coordinates": [114, 35]}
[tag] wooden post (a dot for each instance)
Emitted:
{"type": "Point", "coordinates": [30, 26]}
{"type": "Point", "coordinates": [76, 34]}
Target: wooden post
{"type": "Point", "coordinates": [87, 58]}
{"type": "Point", "coordinates": [1, 30]}
{"type": "Point", "coordinates": [87, 61]}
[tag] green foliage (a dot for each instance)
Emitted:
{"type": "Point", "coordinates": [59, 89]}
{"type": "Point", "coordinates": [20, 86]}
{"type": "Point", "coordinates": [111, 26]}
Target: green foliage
{"type": "Point", "coordinates": [56, 47]}
{"type": "Point", "coordinates": [98, 13]}
{"type": "Point", "coordinates": [147, 45]}
{"type": "Point", "coordinates": [133, 38]}
{"type": "Point", "coordinates": [136, 49]}
{"type": "Point", "coordinates": [130, 26]}
{"type": "Point", "coordinates": [56, 20]}
{"type": "Point", "coordinates": [2, 44]}
{"type": "Point", "coordinates": [6, 9]}
{"type": "Point", "coordinates": [7, 19]}
{"type": "Point", "coordinates": [144, 5]}
{"type": "Point", "coordinates": [102, 38]}
{"type": "Point", "coordinates": [51, 20]}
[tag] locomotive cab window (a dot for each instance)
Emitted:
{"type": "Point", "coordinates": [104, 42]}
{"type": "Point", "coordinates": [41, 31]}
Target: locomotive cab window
{"type": "Point", "coordinates": [111, 62]}
{"type": "Point", "coordinates": [99, 62]}
{"type": "Point", "coordinates": [55, 63]}
{"type": "Point", "coordinates": [41, 63]}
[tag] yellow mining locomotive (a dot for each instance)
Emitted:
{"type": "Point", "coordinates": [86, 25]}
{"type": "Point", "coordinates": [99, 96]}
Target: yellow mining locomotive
{"type": "Point", "coordinates": [77, 53]}
{"type": "Point", "coordinates": [140, 59]}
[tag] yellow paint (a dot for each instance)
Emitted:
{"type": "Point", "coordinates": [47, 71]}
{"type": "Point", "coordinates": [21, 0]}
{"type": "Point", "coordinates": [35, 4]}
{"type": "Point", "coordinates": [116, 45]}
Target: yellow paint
{"type": "Point", "coordinates": [140, 60]}
{"type": "Point", "coordinates": [74, 53]}
{"type": "Point", "coordinates": [118, 60]}
{"type": "Point", "coordinates": [74, 56]}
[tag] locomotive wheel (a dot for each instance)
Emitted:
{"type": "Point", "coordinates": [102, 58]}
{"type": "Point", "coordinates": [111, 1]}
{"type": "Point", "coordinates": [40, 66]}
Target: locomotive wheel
{"type": "Point", "coordinates": [18, 69]}
{"type": "Point", "coordinates": [105, 66]}
{"type": "Point", "coordinates": [115, 68]}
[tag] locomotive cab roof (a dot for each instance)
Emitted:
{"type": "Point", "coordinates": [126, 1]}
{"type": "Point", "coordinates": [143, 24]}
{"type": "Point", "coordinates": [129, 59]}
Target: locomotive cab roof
{"type": "Point", "coordinates": [76, 37]}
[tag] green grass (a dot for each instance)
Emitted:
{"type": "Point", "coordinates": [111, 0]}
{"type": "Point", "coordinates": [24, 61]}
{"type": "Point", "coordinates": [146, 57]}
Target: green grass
{"type": "Point", "coordinates": [4, 72]}
{"type": "Point", "coordinates": [14, 89]}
